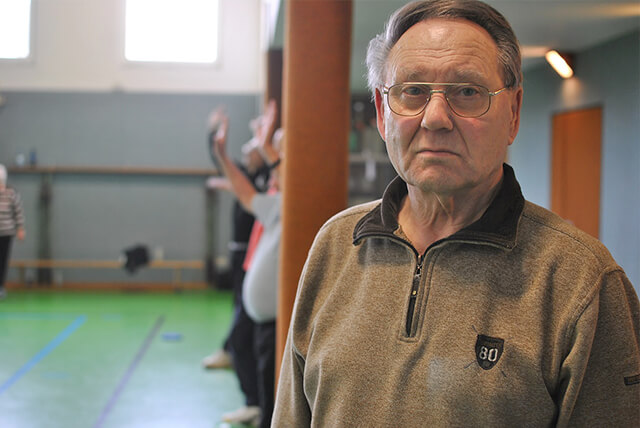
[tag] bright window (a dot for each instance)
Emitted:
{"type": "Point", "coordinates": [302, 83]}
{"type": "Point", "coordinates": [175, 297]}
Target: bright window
{"type": "Point", "coordinates": [171, 30]}
{"type": "Point", "coordinates": [15, 29]}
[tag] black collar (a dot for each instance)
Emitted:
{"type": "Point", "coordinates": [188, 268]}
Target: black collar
{"type": "Point", "coordinates": [498, 225]}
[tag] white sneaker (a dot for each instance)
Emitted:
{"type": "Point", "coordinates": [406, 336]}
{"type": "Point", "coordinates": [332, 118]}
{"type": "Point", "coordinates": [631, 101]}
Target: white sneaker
{"type": "Point", "coordinates": [249, 415]}
{"type": "Point", "coordinates": [218, 360]}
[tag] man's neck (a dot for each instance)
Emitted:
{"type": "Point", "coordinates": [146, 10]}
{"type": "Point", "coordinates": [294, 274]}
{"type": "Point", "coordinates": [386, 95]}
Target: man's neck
{"type": "Point", "coordinates": [426, 217]}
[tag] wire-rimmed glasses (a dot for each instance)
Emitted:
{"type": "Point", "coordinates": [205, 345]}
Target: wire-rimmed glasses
{"type": "Point", "coordinates": [464, 99]}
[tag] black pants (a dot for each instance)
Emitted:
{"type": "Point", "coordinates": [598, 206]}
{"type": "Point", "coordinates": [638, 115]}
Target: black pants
{"type": "Point", "coordinates": [239, 342]}
{"type": "Point", "coordinates": [236, 275]}
{"type": "Point", "coordinates": [5, 247]}
{"type": "Point", "coordinates": [255, 362]}
{"type": "Point", "coordinates": [265, 352]}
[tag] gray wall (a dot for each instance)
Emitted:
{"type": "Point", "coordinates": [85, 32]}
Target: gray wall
{"type": "Point", "coordinates": [609, 76]}
{"type": "Point", "coordinates": [96, 216]}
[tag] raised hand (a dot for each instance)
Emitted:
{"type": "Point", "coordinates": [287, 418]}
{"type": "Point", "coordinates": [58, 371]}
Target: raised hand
{"type": "Point", "coordinates": [266, 130]}
{"type": "Point", "coordinates": [220, 137]}
{"type": "Point", "coordinates": [215, 117]}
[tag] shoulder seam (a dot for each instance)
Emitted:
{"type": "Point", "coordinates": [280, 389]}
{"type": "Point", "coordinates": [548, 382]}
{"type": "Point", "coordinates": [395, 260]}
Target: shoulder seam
{"type": "Point", "coordinates": [350, 212]}
{"type": "Point", "coordinates": [587, 300]}
{"type": "Point", "coordinates": [607, 266]}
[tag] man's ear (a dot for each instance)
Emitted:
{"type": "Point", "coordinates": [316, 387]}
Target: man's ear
{"type": "Point", "coordinates": [379, 101]}
{"type": "Point", "coordinates": [516, 105]}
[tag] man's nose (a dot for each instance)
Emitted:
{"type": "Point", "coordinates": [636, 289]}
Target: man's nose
{"type": "Point", "coordinates": [437, 113]}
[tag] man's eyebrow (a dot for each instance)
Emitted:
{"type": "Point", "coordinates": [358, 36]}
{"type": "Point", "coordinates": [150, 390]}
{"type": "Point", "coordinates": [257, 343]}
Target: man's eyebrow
{"type": "Point", "coordinates": [457, 76]}
{"type": "Point", "coordinates": [469, 76]}
{"type": "Point", "coordinates": [414, 76]}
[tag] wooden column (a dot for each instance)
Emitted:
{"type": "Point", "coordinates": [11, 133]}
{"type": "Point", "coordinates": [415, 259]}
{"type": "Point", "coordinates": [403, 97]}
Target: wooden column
{"type": "Point", "coordinates": [316, 116]}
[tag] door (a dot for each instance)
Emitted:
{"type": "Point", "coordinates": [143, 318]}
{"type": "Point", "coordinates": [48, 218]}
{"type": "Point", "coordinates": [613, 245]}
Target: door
{"type": "Point", "coordinates": [575, 167]}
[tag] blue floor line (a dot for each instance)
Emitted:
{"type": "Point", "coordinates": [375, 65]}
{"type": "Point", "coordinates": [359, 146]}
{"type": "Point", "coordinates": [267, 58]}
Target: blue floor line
{"type": "Point", "coordinates": [132, 367]}
{"type": "Point", "coordinates": [44, 352]}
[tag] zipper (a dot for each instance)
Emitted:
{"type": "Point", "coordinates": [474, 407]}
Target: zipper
{"type": "Point", "coordinates": [417, 275]}
{"type": "Point", "coordinates": [417, 279]}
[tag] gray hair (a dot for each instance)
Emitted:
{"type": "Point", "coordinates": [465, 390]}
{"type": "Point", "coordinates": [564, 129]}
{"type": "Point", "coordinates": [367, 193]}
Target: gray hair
{"type": "Point", "coordinates": [475, 11]}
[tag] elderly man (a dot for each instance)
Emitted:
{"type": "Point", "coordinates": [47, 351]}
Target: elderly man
{"type": "Point", "coordinates": [453, 301]}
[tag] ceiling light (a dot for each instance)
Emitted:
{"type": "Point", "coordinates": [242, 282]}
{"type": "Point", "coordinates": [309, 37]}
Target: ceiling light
{"type": "Point", "coordinates": [560, 63]}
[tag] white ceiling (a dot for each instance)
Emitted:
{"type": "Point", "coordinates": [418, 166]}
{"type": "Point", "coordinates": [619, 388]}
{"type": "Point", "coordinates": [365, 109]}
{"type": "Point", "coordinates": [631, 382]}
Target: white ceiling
{"type": "Point", "coordinates": [564, 25]}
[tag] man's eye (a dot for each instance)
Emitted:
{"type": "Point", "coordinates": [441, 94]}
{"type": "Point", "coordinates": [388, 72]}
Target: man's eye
{"type": "Point", "coordinates": [468, 91]}
{"type": "Point", "coordinates": [413, 91]}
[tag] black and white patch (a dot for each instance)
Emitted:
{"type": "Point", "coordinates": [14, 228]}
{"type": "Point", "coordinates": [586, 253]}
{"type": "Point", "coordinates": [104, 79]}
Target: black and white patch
{"type": "Point", "coordinates": [488, 351]}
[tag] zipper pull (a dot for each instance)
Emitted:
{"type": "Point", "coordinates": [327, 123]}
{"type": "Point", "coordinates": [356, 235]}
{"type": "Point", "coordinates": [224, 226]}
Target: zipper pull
{"type": "Point", "coordinates": [419, 266]}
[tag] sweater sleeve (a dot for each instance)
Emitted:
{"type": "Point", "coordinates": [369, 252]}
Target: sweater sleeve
{"type": "Point", "coordinates": [291, 407]}
{"type": "Point", "coordinates": [600, 375]}
{"type": "Point", "coordinates": [18, 214]}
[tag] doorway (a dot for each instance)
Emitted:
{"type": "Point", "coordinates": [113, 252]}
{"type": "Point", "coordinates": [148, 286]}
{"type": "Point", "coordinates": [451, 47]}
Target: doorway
{"type": "Point", "coordinates": [575, 167]}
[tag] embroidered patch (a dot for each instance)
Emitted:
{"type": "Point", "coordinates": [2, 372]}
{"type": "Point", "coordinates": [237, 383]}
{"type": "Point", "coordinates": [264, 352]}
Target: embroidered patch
{"type": "Point", "coordinates": [632, 380]}
{"type": "Point", "coordinates": [488, 351]}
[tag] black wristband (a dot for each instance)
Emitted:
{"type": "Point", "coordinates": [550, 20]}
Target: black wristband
{"type": "Point", "coordinates": [275, 164]}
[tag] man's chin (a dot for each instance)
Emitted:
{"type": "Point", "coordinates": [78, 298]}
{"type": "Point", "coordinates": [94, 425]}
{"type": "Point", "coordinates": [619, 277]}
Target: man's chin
{"type": "Point", "coordinates": [436, 183]}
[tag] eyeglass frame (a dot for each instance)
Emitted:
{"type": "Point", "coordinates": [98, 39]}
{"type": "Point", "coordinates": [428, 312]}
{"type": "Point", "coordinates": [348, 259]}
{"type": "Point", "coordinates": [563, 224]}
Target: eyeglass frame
{"type": "Point", "coordinates": [386, 89]}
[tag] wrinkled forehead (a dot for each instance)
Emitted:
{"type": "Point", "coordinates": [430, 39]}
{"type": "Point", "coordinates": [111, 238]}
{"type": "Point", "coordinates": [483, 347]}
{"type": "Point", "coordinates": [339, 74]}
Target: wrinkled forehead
{"type": "Point", "coordinates": [441, 48]}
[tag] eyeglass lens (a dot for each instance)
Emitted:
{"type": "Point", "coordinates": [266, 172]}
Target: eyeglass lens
{"type": "Point", "coordinates": [464, 100]}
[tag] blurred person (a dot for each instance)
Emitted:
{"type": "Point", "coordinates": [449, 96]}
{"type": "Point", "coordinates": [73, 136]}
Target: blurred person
{"type": "Point", "coordinates": [254, 168]}
{"type": "Point", "coordinates": [11, 224]}
{"type": "Point", "coordinates": [453, 301]}
{"type": "Point", "coordinates": [259, 294]}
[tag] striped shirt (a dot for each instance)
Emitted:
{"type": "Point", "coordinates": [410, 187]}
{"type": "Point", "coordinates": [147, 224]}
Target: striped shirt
{"type": "Point", "coordinates": [11, 215]}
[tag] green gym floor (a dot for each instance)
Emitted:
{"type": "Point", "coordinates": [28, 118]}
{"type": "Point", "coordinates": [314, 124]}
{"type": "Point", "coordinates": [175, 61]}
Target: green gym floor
{"type": "Point", "coordinates": [113, 360]}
